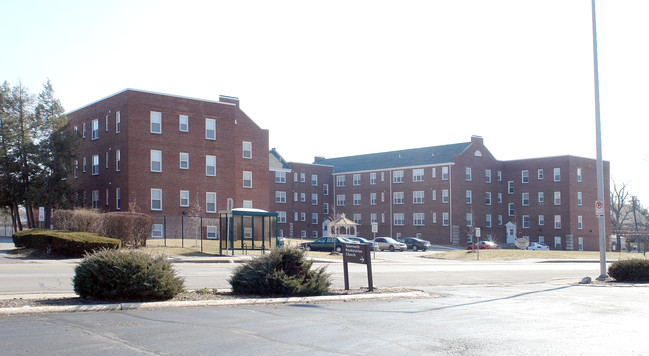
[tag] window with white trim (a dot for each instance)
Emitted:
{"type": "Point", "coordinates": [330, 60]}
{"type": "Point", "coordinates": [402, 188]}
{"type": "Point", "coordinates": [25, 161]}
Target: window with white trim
{"type": "Point", "coordinates": [184, 198]}
{"type": "Point", "coordinates": [487, 198]}
{"type": "Point", "coordinates": [467, 174]}
{"type": "Point", "coordinates": [280, 197]}
{"type": "Point", "coordinates": [107, 158]}
{"type": "Point", "coordinates": [211, 232]}
{"type": "Point", "coordinates": [373, 178]}
{"type": "Point", "coordinates": [469, 219]}
{"type": "Point", "coordinates": [579, 175]}
{"type": "Point", "coordinates": [357, 219]}
{"type": "Point", "coordinates": [95, 129]}
{"type": "Point", "coordinates": [157, 231]}
{"type": "Point", "coordinates": [557, 221]}
{"type": "Point", "coordinates": [314, 199]}
{"type": "Point", "coordinates": [418, 219]}
{"type": "Point", "coordinates": [156, 161]}
{"type": "Point", "coordinates": [118, 199]}
{"type": "Point", "coordinates": [247, 179]}
{"type": "Point", "coordinates": [325, 189]}
{"type": "Point", "coordinates": [210, 129]}
{"type": "Point", "coordinates": [488, 220]}
{"type": "Point", "coordinates": [539, 174]}
{"type": "Point", "coordinates": [373, 218]}
{"type": "Point", "coordinates": [580, 222]}
{"type": "Point", "coordinates": [84, 165]}
{"type": "Point", "coordinates": [418, 175]}
{"type": "Point", "coordinates": [557, 174]}
{"type": "Point", "coordinates": [325, 208]}
{"type": "Point", "coordinates": [510, 187]}
{"type": "Point", "coordinates": [118, 122]}
{"type": "Point", "coordinates": [526, 221]}
{"type": "Point", "coordinates": [156, 199]}
{"type": "Point", "coordinates": [541, 220]}
{"type": "Point", "coordinates": [340, 181]}
{"type": "Point", "coordinates": [418, 197]}
{"type": "Point", "coordinates": [397, 177]}
{"type": "Point", "coordinates": [445, 219]}
{"type": "Point", "coordinates": [580, 200]}
{"type": "Point", "coordinates": [314, 180]}
{"type": "Point", "coordinates": [541, 197]}
{"type": "Point", "coordinates": [314, 218]}
{"type": "Point", "coordinates": [302, 177]}
{"type": "Point", "coordinates": [444, 195]}
{"type": "Point", "coordinates": [557, 198]}
{"type": "Point", "coordinates": [510, 209]}
{"type": "Point", "coordinates": [398, 219]}
{"type": "Point", "coordinates": [487, 175]}
{"type": "Point", "coordinates": [526, 199]}
{"type": "Point", "coordinates": [281, 217]}
{"type": "Point", "coordinates": [183, 123]}
{"type": "Point", "coordinates": [357, 199]}
{"type": "Point", "coordinates": [340, 200]}
{"type": "Point", "coordinates": [95, 165]}
{"type": "Point", "coordinates": [397, 198]}
{"type": "Point", "coordinates": [210, 202]}
{"type": "Point", "coordinates": [210, 166]}
{"type": "Point", "coordinates": [118, 160]}
{"type": "Point", "coordinates": [372, 198]}
{"type": "Point", "coordinates": [356, 179]}
{"type": "Point", "coordinates": [184, 160]}
{"type": "Point", "coordinates": [280, 177]}
{"type": "Point", "coordinates": [95, 199]}
{"type": "Point", "coordinates": [468, 196]}
{"type": "Point", "coordinates": [525, 176]}
{"type": "Point", "coordinates": [156, 122]}
{"type": "Point", "coordinates": [247, 150]}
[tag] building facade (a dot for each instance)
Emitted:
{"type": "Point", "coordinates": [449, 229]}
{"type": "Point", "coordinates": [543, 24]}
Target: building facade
{"type": "Point", "coordinates": [443, 193]}
{"type": "Point", "coordinates": [169, 155]}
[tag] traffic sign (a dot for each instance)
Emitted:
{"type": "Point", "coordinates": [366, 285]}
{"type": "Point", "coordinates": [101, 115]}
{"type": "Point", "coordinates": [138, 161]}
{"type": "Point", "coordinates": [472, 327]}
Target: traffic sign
{"type": "Point", "coordinates": [599, 208]}
{"type": "Point", "coordinates": [375, 227]}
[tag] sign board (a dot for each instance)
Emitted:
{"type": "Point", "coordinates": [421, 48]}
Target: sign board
{"type": "Point", "coordinates": [357, 253]}
{"type": "Point", "coordinates": [375, 227]}
{"type": "Point", "coordinates": [41, 214]}
{"type": "Point", "coordinates": [599, 208]}
{"type": "Point", "coordinates": [522, 243]}
{"type": "Point", "coordinates": [477, 232]}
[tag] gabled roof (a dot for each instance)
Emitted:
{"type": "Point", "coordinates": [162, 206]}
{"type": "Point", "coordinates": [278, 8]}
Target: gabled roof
{"type": "Point", "coordinates": [279, 158]}
{"type": "Point", "coordinates": [395, 159]}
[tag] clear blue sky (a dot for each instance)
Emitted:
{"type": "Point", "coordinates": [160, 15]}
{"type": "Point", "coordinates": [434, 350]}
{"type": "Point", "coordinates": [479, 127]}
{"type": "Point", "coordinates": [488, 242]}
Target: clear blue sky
{"type": "Point", "coordinates": [350, 77]}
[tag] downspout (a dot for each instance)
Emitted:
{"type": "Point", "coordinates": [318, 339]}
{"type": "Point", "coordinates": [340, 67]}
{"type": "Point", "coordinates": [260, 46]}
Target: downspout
{"type": "Point", "coordinates": [390, 218]}
{"type": "Point", "coordinates": [450, 203]}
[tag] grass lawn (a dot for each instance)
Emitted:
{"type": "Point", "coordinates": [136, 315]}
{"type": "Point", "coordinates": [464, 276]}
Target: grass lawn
{"type": "Point", "coordinates": [513, 255]}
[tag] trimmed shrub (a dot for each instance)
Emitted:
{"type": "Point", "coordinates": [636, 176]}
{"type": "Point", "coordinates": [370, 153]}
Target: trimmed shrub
{"type": "Point", "coordinates": [63, 243]}
{"type": "Point", "coordinates": [62, 219]}
{"type": "Point", "coordinates": [132, 229]}
{"type": "Point", "coordinates": [284, 272]}
{"type": "Point", "coordinates": [86, 220]}
{"type": "Point", "coordinates": [633, 270]}
{"type": "Point", "coordinates": [126, 275]}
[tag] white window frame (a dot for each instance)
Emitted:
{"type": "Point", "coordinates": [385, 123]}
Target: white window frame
{"type": "Point", "coordinates": [468, 196]}
{"type": "Point", "coordinates": [94, 134]}
{"type": "Point", "coordinates": [210, 166]}
{"type": "Point", "coordinates": [525, 176]}
{"type": "Point", "coordinates": [95, 199]}
{"type": "Point", "coordinates": [541, 220]}
{"type": "Point", "coordinates": [183, 158]}
{"type": "Point", "coordinates": [280, 177]}
{"type": "Point", "coordinates": [373, 178]}
{"type": "Point", "coordinates": [356, 199]}
{"type": "Point", "coordinates": [246, 148]}
{"type": "Point", "coordinates": [525, 199]}
{"type": "Point", "coordinates": [398, 219]}
{"type": "Point", "coordinates": [280, 197]}
{"type": "Point", "coordinates": [211, 232]}
{"type": "Point", "coordinates": [156, 157]}
{"type": "Point", "coordinates": [539, 174]}
{"type": "Point", "coordinates": [487, 175]}
{"type": "Point", "coordinates": [156, 196]}
{"type": "Point", "coordinates": [397, 198]}
{"type": "Point", "coordinates": [118, 198]}
{"type": "Point", "coordinates": [95, 165]}
{"type": "Point", "coordinates": [487, 198]}
{"type": "Point", "coordinates": [247, 179]}
{"type": "Point", "coordinates": [356, 179]}
{"type": "Point", "coordinates": [157, 231]}
{"type": "Point", "coordinates": [580, 199]}
{"type": "Point", "coordinates": [418, 175]}
{"type": "Point", "coordinates": [118, 122]}
{"type": "Point", "coordinates": [557, 222]}
{"type": "Point", "coordinates": [210, 129]}
{"type": "Point", "coordinates": [467, 174]}
{"type": "Point", "coordinates": [314, 180]}
{"type": "Point", "coordinates": [418, 219]}
{"type": "Point", "coordinates": [557, 174]}
{"type": "Point", "coordinates": [314, 199]}
{"type": "Point", "coordinates": [397, 176]}
{"type": "Point", "coordinates": [557, 198]}
{"type": "Point", "coordinates": [418, 197]}
{"type": "Point", "coordinates": [210, 202]}
{"type": "Point", "coordinates": [118, 160]}
{"type": "Point", "coordinates": [340, 181]}
{"type": "Point", "coordinates": [341, 200]}
{"type": "Point", "coordinates": [155, 122]}
{"type": "Point", "coordinates": [184, 195]}
{"type": "Point", "coordinates": [541, 197]}
{"type": "Point", "coordinates": [183, 123]}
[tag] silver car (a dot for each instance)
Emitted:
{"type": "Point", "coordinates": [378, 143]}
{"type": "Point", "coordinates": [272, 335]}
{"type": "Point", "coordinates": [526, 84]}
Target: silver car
{"type": "Point", "coordinates": [538, 246]}
{"type": "Point", "coordinates": [388, 243]}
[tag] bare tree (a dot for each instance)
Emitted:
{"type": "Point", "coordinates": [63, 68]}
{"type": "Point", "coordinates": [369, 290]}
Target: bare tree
{"type": "Point", "coordinates": [619, 210]}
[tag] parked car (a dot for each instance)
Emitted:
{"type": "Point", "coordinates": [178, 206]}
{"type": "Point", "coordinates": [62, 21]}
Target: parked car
{"type": "Point", "coordinates": [415, 243]}
{"type": "Point", "coordinates": [538, 246]}
{"type": "Point", "coordinates": [483, 245]}
{"type": "Point", "coordinates": [326, 244]}
{"type": "Point", "coordinates": [361, 241]}
{"type": "Point", "coordinates": [388, 243]}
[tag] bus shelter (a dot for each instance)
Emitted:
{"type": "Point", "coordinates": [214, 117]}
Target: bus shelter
{"type": "Point", "coordinates": [247, 230]}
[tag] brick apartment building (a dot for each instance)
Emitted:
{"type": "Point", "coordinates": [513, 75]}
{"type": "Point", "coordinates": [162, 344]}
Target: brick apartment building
{"type": "Point", "coordinates": [441, 194]}
{"type": "Point", "coordinates": [169, 155]}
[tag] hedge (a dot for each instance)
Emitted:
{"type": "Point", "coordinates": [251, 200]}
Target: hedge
{"type": "Point", "coordinates": [63, 243]}
{"type": "Point", "coordinates": [132, 229]}
{"type": "Point", "coordinates": [633, 270]}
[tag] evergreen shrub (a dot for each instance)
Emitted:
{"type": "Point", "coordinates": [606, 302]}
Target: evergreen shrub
{"type": "Point", "coordinates": [126, 275]}
{"type": "Point", "coordinates": [283, 272]}
{"type": "Point", "coordinates": [633, 270]}
{"type": "Point", "coordinates": [63, 243]}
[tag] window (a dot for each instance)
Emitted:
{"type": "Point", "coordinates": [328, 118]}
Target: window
{"type": "Point", "coordinates": [118, 159]}
{"type": "Point", "coordinates": [95, 165]}
{"type": "Point", "coordinates": [541, 220]}
{"type": "Point", "coordinates": [156, 122]}
{"type": "Point", "coordinates": [578, 175]}
{"type": "Point", "coordinates": [314, 180]}
{"type": "Point", "coordinates": [580, 222]}
{"type": "Point", "coordinates": [95, 199]}
{"type": "Point", "coordinates": [418, 175]}
{"type": "Point", "coordinates": [398, 219]}
{"type": "Point", "coordinates": [340, 200]}
{"type": "Point", "coordinates": [303, 197]}
{"type": "Point", "coordinates": [357, 199]}
{"type": "Point", "coordinates": [557, 198]}
{"type": "Point", "coordinates": [487, 198]}
{"type": "Point", "coordinates": [357, 218]}
{"type": "Point", "coordinates": [418, 197]}
{"type": "Point", "coordinates": [526, 199]}
{"type": "Point", "coordinates": [445, 196]}
{"type": "Point", "coordinates": [84, 131]}
{"type": "Point", "coordinates": [280, 197]}
{"type": "Point", "coordinates": [314, 218]}
{"type": "Point", "coordinates": [510, 209]}
{"type": "Point", "coordinates": [418, 219]}
{"type": "Point", "coordinates": [95, 129]}
{"type": "Point", "coordinates": [557, 221]}
{"type": "Point", "coordinates": [382, 176]}
{"type": "Point", "coordinates": [157, 231]}
{"type": "Point", "coordinates": [281, 217]}
{"type": "Point", "coordinates": [500, 219]}
{"type": "Point", "coordinates": [302, 216]}
{"type": "Point", "coordinates": [373, 218]}
{"type": "Point", "coordinates": [296, 196]}
{"type": "Point", "coordinates": [107, 160]}
{"type": "Point", "coordinates": [247, 179]}
{"type": "Point", "coordinates": [397, 177]}
{"type": "Point", "coordinates": [541, 197]}
{"type": "Point", "coordinates": [356, 179]}
{"type": "Point", "coordinates": [434, 194]}
{"type": "Point", "coordinates": [445, 219]}
{"type": "Point", "coordinates": [372, 198]}
{"type": "Point", "coordinates": [247, 204]}
{"type": "Point", "coordinates": [156, 199]}
{"type": "Point", "coordinates": [434, 218]}
{"type": "Point", "coordinates": [525, 176]}
{"type": "Point", "coordinates": [488, 220]}
{"type": "Point", "coordinates": [539, 174]}
{"type": "Point", "coordinates": [434, 172]}
{"type": "Point", "coordinates": [499, 176]}
{"type": "Point", "coordinates": [510, 187]}
{"type": "Point", "coordinates": [76, 130]}
{"type": "Point", "coordinates": [469, 219]}
{"type": "Point", "coordinates": [467, 174]}
{"type": "Point", "coordinates": [325, 208]}
{"type": "Point", "coordinates": [118, 122]}
{"type": "Point", "coordinates": [526, 221]}
{"type": "Point", "coordinates": [210, 166]}
{"type": "Point", "coordinates": [397, 198]}
{"type": "Point", "coordinates": [314, 199]}
{"type": "Point", "coordinates": [183, 123]}
{"type": "Point", "coordinates": [581, 243]}
{"type": "Point", "coordinates": [340, 181]}
{"type": "Point", "coordinates": [557, 174]}
{"type": "Point", "coordinates": [487, 175]}
{"type": "Point", "coordinates": [302, 177]}
{"type": "Point", "coordinates": [211, 233]}
{"type": "Point", "coordinates": [557, 242]}
{"type": "Point", "coordinates": [156, 161]}
{"type": "Point", "coordinates": [118, 198]}
{"type": "Point", "coordinates": [468, 197]}
{"type": "Point", "coordinates": [382, 197]}
{"type": "Point", "coordinates": [295, 177]}
{"type": "Point", "coordinates": [184, 198]}
{"type": "Point", "coordinates": [76, 168]}
{"type": "Point", "coordinates": [210, 202]}
{"type": "Point", "coordinates": [106, 123]}
{"type": "Point", "coordinates": [84, 165]}
{"type": "Point", "coordinates": [247, 150]}
{"type": "Point", "coordinates": [325, 189]}
{"type": "Point", "coordinates": [372, 178]}
{"type": "Point", "coordinates": [184, 160]}
{"type": "Point", "coordinates": [579, 199]}
{"type": "Point", "coordinates": [210, 129]}
{"type": "Point", "coordinates": [500, 197]}
{"type": "Point", "coordinates": [280, 177]}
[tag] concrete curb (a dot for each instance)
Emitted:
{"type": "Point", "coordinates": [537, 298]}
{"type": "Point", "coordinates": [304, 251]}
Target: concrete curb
{"type": "Point", "coordinates": [212, 302]}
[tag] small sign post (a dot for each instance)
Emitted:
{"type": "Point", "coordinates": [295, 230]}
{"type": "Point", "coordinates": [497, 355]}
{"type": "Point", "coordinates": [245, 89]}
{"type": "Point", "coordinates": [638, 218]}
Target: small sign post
{"type": "Point", "coordinates": [375, 229]}
{"type": "Point", "coordinates": [599, 208]}
{"type": "Point", "coordinates": [357, 253]}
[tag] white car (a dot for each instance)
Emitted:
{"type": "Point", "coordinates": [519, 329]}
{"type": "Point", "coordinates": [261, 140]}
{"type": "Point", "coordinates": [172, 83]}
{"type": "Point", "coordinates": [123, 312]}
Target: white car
{"type": "Point", "coordinates": [538, 246]}
{"type": "Point", "coordinates": [388, 243]}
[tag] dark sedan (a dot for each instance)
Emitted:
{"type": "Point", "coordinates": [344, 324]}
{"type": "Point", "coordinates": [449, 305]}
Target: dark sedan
{"type": "Point", "coordinates": [325, 244]}
{"type": "Point", "coordinates": [416, 243]}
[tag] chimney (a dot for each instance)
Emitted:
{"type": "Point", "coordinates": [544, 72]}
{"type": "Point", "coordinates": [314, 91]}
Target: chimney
{"type": "Point", "coordinates": [229, 99]}
{"type": "Point", "coordinates": [317, 159]}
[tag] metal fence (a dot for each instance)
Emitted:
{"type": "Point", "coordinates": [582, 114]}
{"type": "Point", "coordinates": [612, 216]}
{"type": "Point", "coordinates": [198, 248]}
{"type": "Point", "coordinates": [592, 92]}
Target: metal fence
{"type": "Point", "coordinates": [193, 232]}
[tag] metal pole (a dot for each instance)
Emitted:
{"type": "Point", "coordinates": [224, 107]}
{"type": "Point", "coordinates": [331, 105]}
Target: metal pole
{"type": "Point", "coordinates": [637, 237]}
{"type": "Point", "coordinates": [600, 167]}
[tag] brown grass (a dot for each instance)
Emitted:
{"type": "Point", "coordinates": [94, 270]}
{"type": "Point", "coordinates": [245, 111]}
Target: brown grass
{"type": "Point", "coordinates": [513, 255]}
